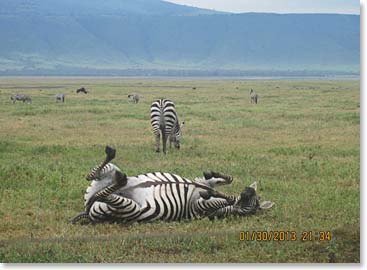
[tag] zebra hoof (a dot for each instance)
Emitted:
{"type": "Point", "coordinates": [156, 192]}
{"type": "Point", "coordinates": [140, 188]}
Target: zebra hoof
{"type": "Point", "coordinates": [228, 178]}
{"type": "Point", "coordinates": [110, 152]}
{"type": "Point", "coordinates": [207, 175]}
{"type": "Point", "coordinates": [211, 218]}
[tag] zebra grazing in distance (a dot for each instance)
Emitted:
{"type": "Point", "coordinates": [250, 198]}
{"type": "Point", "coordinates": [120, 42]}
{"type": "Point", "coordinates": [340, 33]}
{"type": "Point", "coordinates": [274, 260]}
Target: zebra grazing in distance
{"type": "Point", "coordinates": [134, 97]}
{"type": "Point", "coordinates": [82, 90]}
{"type": "Point", "coordinates": [114, 197]}
{"type": "Point", "coordinates": [253, 96]}
{"type": "Point", "coordinates": [60, 97]}
{"type": "Point", "coordinates": [21, 97]}
{"type": "Point", "coordinates": [164, 120]}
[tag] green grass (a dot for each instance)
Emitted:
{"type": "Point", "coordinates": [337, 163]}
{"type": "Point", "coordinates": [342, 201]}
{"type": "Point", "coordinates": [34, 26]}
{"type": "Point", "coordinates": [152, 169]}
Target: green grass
{"type": "Point", "coordinates": [301, 142]}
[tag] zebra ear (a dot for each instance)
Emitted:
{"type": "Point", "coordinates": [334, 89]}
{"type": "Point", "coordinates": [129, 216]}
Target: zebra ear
{"type": "Point", "coordinates": [254, 185]}
{"type": "Point", "coordinates": [182, 124]}
{"type": "Point", "coordinates": [266, 205]}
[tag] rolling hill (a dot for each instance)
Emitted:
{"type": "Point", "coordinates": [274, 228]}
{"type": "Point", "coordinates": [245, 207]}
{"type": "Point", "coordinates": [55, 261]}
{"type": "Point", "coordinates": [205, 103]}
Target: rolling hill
{"type": "Point", "coordinates": [114, 37]}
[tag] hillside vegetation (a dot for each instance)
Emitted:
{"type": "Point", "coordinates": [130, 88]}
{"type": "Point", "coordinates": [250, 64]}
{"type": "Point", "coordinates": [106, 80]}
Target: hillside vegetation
{"type": "Point", "coordinates": [110, 37]}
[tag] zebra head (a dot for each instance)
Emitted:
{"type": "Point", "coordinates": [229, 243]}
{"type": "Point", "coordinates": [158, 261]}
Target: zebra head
{"type": "Point", "coordinates": [248, 201]}
{"type": "Point", "coordinates": [176, 138]}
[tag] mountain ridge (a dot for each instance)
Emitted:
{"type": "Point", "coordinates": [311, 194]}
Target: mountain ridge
{"type": "Point", "coordinates": [167, 36]}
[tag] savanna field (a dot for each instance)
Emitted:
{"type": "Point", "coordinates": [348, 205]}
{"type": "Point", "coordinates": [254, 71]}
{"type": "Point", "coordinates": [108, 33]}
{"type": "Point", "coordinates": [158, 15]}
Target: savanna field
{"type": "Point", "coordinates": [301, 143]}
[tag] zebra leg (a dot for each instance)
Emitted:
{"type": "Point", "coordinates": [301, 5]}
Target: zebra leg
{"type": "Point", "coordinates": [164, 142]}
{"type": "Point", "coordinates": [170, 142]}
{"type": "Point", "coordinates": [222, 212]}
{"type": "Point", "coordinates": [119, 180]}
{"type": "Point", "coordinates": [114, 208]}
{"type": "Point", "coordinates": [110, 155]}
{"type": "Point", "coordinates": [208, 207]}
{"type": "Point", "coordinates": [246, 204]}
{"type": "Point", "coordinates": [157, 141]}
{"type": "Point", "coordinates": [207, 194]}
{"type": "Point", "coordinates": [210, 174]}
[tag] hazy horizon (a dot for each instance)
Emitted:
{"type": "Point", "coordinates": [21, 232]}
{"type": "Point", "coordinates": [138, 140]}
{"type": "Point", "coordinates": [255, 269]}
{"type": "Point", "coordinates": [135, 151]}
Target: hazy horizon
{"type": "Point", "coordinates": [276, 6]}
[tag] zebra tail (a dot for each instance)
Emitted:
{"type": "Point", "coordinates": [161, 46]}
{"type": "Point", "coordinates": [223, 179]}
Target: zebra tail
{"type": "Point", "coordinates": [83, 216]}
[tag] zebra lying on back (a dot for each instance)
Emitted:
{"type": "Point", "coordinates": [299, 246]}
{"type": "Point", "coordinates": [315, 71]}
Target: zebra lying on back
{"type": "Point", "coordinates": [21, 97]}
{"type": "Point", "coordinates": [134, 97]}
{"type": "Point", "coordinates": [60, 97]}
{"type": "Point", "coordinates": [114, 197]}
{"type": "Point", "coordinates": [253, 96]}
{"type": "Point", "coordinates": [164, 120]}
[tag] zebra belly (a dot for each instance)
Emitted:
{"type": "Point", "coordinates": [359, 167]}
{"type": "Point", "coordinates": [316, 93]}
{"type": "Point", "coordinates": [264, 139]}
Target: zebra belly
{"type": "Point", "coordinates": [170, 202]}
{"type": "Point", "coordinates": [157, 196]}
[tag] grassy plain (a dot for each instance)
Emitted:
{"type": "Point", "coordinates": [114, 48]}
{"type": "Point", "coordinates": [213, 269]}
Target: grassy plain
{"type": "Point", "coordinates": [301, 142]}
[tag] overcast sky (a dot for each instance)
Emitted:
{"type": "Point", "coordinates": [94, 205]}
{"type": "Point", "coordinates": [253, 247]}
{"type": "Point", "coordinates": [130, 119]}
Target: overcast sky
{"type": "Point", "coordinates": [277, 6]}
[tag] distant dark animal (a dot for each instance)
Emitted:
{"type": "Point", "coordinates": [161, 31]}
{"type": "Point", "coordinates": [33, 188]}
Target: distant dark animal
{"type": "Point", "coordinates": [253, 96]}
{"type": "Point", "coordinates": [21, 97]}
{"type": "Point", "coordinates": [134, 97]}
{"type": "Point", "coordinates": [82, 90]}
{"type": "Point", "coordinates": [194, 88]}
{"type": "Point", "coordinates": [164, 119]}
{"type": "Point", "coordinates": [60, 97]}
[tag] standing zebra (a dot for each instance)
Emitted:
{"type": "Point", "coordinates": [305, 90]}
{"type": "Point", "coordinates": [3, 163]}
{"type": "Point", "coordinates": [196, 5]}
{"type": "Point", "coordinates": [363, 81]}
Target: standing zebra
{"type": "Point", "coordinates": [164, 120]}
{"type": "Point", "coordinates": [253, 96]}
{"type": "Point", "coordinates": [60, 97]}
{"type": "Point", "coordinates": [21, 97]}
{"type": "Point", "coordinates": [134, 97]}
{"type": "Point", "coordinates": [114, 197]}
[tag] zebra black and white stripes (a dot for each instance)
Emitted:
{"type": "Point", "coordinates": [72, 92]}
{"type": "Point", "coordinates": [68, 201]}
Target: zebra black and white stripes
{"type": "Point", "coordinates": [112, 196]}
{"type": "Point", "coordinates": [164, 120]}
{"type": "Point", "coordinates": [134, 97]}
{"type": "Point", "coordinates": [21, 97]}
{"type": "Point", "coordinates": [253, 96]}
{"type": "Point", "coordinates": [149, 197]}
{"type": "Point", "coordinates": [60, 97]}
